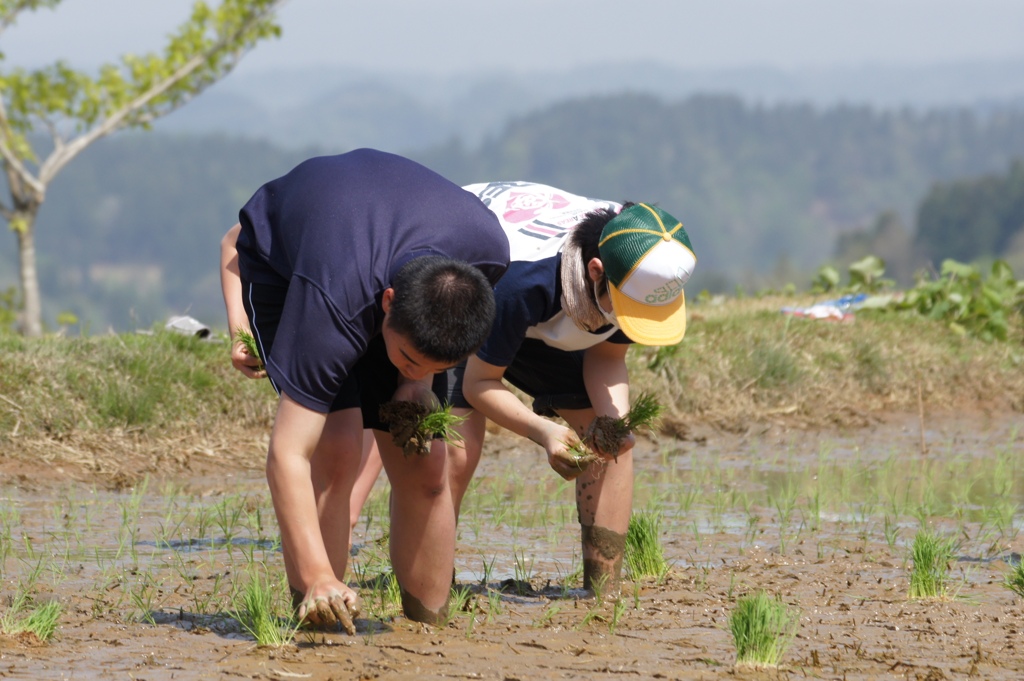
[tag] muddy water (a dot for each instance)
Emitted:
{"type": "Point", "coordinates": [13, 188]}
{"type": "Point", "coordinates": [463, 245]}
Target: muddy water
{"type": "Point", "coordinates": [149, 578]}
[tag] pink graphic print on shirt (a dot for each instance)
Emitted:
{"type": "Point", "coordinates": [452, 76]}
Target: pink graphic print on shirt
{"type": "Point", "coordinates": [526, 206]}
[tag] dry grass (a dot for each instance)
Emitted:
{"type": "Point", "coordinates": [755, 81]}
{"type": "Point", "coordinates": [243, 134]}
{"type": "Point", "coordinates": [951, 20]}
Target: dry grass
{"type": "Point", "coordinates": [130, 405]}
{"type": "Point", "coordinates": [126, 406]}
{"type": "Point", "coordinates": [744, 363]}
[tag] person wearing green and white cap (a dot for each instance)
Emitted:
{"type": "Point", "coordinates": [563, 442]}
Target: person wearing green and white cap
{"type": "Point", "coordinates": [588, 277]}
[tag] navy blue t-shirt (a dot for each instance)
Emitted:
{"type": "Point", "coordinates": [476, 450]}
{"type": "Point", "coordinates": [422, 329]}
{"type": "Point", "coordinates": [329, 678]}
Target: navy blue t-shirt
{"type": "Point", "coordinates": [334, 231]}
{"type": "Point", "coordinates": [528, 303]}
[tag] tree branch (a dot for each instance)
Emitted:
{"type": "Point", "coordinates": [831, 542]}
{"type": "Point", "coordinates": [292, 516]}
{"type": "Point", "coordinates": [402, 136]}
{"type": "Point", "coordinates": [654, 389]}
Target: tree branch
{"type": "Point", "coordinates": [9, 11]}
{"type": "Point", "coordinates": [61, 157]}
{"type": "Point", "coordinates": [12, 161]}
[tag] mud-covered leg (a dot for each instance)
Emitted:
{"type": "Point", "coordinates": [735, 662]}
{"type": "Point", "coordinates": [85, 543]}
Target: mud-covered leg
{"type": "Point", "coordinates": [422, 529]}
{"type": "Point", "coordinates": [603, 550]}
{"type": "Point", "coordinates": [604, 500]}
{"type": "Point", "coordinates": [417, 612]}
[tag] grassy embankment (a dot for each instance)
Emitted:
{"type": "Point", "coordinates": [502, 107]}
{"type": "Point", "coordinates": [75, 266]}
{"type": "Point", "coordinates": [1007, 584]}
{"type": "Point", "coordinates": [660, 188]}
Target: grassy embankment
{"type": "Point", "coordinates": [129, 405]}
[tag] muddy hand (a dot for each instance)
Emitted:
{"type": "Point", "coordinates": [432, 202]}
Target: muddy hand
{"type": "Point", "coordinates": [566, 463]}
{"type": "Point", "coordinates": [331, 610]}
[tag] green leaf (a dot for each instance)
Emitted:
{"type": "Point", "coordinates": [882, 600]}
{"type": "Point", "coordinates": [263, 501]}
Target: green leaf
{"type": "Point", "coordinates": [952, 268]}
{"type": "Point", "coordinates": [867, 269]}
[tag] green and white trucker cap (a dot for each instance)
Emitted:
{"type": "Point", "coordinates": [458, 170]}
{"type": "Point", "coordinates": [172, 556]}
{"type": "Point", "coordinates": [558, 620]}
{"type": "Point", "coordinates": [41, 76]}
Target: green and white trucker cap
{"type": "Point", "coordinates": [647, 258]}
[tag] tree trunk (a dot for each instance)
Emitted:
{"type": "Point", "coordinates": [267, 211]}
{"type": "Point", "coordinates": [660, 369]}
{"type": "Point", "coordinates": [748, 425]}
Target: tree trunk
{"type": "Point", "coordinates": [32, 312]}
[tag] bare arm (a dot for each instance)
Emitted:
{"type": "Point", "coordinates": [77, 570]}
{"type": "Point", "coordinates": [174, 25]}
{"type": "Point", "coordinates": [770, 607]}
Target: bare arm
{"type": "Point", "coordinates": [231, 287]}
{"type": "Point", "coordinates": [607, 381]}
{"type": "Point", "coordinates": [297, 431]}
{"type": "Point", "coordinates": [483, 388]}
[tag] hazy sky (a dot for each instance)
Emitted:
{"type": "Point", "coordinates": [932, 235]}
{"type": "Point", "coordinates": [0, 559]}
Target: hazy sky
{"type": "Point", "coordinates": [444, 36]}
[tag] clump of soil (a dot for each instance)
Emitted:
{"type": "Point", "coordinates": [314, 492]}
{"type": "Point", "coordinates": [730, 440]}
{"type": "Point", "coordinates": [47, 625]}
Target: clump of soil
{"type": "Point", "coordinates": [607, 433]}
{"type": "Point", "coordinates": [404, 419]}
{"type": "Point", "coordinates": [413, 426]}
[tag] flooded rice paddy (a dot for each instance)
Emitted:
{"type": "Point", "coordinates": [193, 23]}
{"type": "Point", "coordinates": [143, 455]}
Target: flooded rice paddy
{"type": "Point", "coordinates": [149, 580]}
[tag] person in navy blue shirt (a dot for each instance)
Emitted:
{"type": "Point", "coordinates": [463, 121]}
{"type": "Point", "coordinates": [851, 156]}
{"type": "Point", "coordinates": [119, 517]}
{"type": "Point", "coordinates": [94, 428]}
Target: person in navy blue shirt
{"type": "Point", "coordinates": [362, 277]}
{"type": "Point", "coordinates": [588, 277]}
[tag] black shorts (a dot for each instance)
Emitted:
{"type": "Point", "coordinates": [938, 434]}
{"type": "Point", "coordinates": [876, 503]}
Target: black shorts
{"type": "Point", "coordinates": [370, 383]}
{"type": "Point", "coordinates": [552, 377]}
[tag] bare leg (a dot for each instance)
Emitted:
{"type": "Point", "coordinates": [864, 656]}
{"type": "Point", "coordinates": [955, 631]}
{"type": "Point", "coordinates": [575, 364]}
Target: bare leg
{"type": "Point", "coordinates": [369, 469]}
{"type": "Point", "coordinates": [462, 461]}
{"type": "Point", "coordinates": [604, 501]}
{"type": "Point", "coordinates": [422, 528]}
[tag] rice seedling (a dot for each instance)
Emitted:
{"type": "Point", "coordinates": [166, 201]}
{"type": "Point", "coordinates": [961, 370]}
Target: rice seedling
{"type": "Point", "coordinates": [144, 597]}
{"type": "Point", "coordinates": [499, 513]}
{"type": "Point", "coordinates": [203, 602]}
{"type": "Point", "coordinates": [1001, 514]}
{"type": "Point", "coordinates": [891, 530]}
{"type": "Point", "coordinates": [644, 554]}
{"type": "Point", "coordinates": [548, 615]}
{"type": "Point", "coordinates": [697, 536]}
{"type": "Point", "coordinates": [461, 600]}
{"type": "Point", "coordinates": [38, 619]}
{"type": "Point", "coordinates": [523, 568]}
{"type": "Point", "coordinates": [488, 569]}
{"type": "Point", "coordinates": [413, 426]}
{"type": "Point", "coordinates": [784, 502]}
{"type": "Point", "coordinates": [249, 343]}
{"type": "Point", "coordinates": [1014, 580]}
{"type": "Point", "coordinates": [169, 529]}
{"type": "Point", "coordinates": [598, 586]}
{"type": "Point", "coordinates": [606, 433]}
{"type": "Point", "coordinates": [226, 516]}
{"type": "Point", "coordinates": [687, 496]}
{"type": "Point", "coordinates": [636, 596]}
{"type": "Point", "coordinates": [571, 578]}
{"type": "Point", "coordinates": [376, 507]}
{"type": "Point", "coordinates": [383, 601]}
{"type": "Point", "coordinates": [494, 607]}
{"type": "Point", "coordinates": [258, 616]}
{"type": "Point", "coordinates": [254, 520]}
{"type": "Point", "coordinates": [930, 554]}
{"type": "Point", "coordinates": [618, 610]}
{"type": "Point", "coordinates": [392, 596]}
{"type": "Point", "coordinates": [762, 629]}
{"type": "Point", "coordinates": [6, 546]}
{"type": "Point", "coordinates": [719, 506]}
{"type": "Point", "coordinates": [593, 613]}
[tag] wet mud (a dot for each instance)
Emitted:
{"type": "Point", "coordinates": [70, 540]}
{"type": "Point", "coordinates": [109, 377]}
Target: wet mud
{"type": "Point", "coordinates": [145, 575]}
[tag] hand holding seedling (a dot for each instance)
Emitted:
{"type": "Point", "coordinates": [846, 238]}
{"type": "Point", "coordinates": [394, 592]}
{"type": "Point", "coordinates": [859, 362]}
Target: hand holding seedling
{"type": "Point", "coordinates": [608, 437]}
{"type": "Point", "coordinates": [245, 356]}
{"type": "Point", "coordinates": [566, 460]}
{"type": "Point", "coordinates": [562, 446]}
{"type": "Point", "coordinates": [326, 607]}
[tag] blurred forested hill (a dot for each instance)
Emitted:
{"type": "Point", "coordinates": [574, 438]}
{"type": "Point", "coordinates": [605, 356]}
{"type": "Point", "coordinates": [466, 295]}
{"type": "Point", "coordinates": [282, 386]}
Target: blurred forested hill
{"type": "Point", "coordinates": [130, 231]}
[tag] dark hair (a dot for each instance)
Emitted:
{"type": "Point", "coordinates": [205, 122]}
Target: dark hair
{"type": "Point", "coordinates": [587, 234]}
{"type": "Point", "coordinates": [444, 307]}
